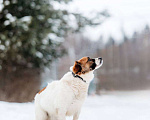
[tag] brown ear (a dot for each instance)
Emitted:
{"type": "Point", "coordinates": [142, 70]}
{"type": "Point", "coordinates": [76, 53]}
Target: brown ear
{"type": "Point", "coordinates": [77, 68]}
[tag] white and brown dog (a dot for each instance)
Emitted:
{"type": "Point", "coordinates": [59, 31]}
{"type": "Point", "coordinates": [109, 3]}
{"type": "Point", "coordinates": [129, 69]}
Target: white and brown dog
{"type": "Point", "coordinates": [65, 97]}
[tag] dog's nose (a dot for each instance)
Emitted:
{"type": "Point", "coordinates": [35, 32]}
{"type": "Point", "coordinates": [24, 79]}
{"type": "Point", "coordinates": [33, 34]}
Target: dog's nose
{"type": "Point", "coordinates": [100, 58]}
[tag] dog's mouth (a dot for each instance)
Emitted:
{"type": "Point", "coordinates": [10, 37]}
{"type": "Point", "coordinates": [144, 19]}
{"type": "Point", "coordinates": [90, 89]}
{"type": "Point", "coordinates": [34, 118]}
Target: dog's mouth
{"type": "Point", "coordinates": [98, 62]}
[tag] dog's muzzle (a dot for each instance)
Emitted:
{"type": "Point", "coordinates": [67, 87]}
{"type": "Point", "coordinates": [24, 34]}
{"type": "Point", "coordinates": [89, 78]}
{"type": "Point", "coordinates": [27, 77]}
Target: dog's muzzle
{"type": "Point", "coordinates": [99, 62]}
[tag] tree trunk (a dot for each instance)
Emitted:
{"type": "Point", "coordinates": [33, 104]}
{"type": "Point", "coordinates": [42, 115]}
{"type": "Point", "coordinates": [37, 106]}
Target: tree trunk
{"type": "Point", "coordinates": [19, 85]}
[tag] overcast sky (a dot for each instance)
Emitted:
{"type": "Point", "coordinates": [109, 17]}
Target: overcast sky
{"type": "Point", "coordinates": [130, 15]}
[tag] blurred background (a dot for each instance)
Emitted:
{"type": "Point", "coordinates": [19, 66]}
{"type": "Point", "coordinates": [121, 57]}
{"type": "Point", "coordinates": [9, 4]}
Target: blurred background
{"type": "Point", "coordinates": [37, 35]}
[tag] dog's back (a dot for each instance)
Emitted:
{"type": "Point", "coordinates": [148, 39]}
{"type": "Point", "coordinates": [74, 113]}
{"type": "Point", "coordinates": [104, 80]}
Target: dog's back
{"type": "Point", "coordinates": [50, 99]}
{"type": "Point", "coordinates": [45, 95]}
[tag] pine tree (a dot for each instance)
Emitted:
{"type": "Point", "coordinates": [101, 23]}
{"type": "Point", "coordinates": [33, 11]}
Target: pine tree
{"type": "Point", "coordinates": [31, 31]}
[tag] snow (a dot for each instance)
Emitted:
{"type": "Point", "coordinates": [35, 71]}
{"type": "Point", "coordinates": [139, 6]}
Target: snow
{"type": "Point", "coordinates": [109, 106]}
{"type": "Point", "coordinates": [2, 47]}
{"type": "Point", "coordinates": [39, 54]}
{"type": "Point", "coordinates": [126, 15]}
{"type": "Point", "coordinates": [16, 111]}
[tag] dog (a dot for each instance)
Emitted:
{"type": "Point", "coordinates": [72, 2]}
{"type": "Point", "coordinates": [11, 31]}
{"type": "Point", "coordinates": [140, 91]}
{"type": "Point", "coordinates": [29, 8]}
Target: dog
{"type": "Point", "coordinates": [65, 97]}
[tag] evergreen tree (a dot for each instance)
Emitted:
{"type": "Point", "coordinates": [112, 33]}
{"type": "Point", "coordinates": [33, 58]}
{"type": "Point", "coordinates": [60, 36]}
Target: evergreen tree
{"type": "Point", "coordinates": [31, 31]}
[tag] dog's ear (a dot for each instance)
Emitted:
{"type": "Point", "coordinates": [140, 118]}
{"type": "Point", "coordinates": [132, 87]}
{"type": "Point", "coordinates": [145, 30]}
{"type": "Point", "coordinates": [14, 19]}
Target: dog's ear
{"type": "Point", "coordinates": [77, 68]}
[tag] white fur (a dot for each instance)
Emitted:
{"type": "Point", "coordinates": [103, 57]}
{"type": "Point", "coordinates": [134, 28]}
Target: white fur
{"type": "Point", "coordinates": [62, 98]}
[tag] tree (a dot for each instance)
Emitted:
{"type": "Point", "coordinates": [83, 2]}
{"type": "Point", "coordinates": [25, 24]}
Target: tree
{"type": "Point", "coordinates": [31, 33]}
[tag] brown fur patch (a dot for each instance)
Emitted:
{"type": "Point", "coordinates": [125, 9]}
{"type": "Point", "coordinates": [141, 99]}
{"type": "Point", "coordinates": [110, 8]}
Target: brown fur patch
{"type": "Point", "coordinates": [42, 90]}
{"type": "Point", "coordinates": [77, 67]}
{"type": "Point", "coordinates": [84, 64]}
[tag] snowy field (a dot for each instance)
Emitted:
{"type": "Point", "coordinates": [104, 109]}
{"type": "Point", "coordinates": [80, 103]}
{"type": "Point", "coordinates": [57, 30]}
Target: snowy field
{"type": "Point", "coordinates": [110, 106]}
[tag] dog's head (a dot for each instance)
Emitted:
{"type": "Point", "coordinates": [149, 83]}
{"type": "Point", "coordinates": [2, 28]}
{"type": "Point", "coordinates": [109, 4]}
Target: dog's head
{"type": "Point", "coordinates": [87, 64]}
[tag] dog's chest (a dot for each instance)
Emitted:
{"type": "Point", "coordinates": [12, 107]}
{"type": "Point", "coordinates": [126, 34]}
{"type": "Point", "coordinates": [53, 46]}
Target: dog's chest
{"type": "Point", "coordinates": [80, 93]}
{"type": "Point", "coordinates": [76, 103]}
{"type": "Point", "coordinates": [74, 106]}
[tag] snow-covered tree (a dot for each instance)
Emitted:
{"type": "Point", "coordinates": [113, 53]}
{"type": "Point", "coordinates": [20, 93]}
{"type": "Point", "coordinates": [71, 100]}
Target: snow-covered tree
{"type": "Point", "coordinates": [31, 31]}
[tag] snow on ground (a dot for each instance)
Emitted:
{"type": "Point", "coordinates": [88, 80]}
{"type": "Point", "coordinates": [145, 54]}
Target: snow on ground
{"type": "Point", "coordinates": [110, 106]}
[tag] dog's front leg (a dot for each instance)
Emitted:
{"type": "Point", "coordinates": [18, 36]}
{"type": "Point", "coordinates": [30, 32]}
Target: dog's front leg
{"type": "Point", "coordinates": [76, 115]}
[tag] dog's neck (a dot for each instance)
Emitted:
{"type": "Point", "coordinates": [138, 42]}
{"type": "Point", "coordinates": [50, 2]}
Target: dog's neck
{"type": "Point", "coordinates": [88, 77]}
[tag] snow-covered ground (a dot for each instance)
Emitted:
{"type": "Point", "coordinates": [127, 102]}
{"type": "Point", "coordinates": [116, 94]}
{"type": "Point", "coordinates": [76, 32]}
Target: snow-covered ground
{"type": "Point", "coordinates": [110, 106]}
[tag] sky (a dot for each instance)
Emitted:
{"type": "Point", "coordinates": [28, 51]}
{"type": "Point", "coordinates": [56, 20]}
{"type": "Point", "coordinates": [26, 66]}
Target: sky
{"type": "Point", "coordinates": [126, 15]}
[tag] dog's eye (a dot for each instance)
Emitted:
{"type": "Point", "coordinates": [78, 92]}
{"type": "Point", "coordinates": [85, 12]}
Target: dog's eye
{"type": "Point", "coordinates": [89, 59]}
